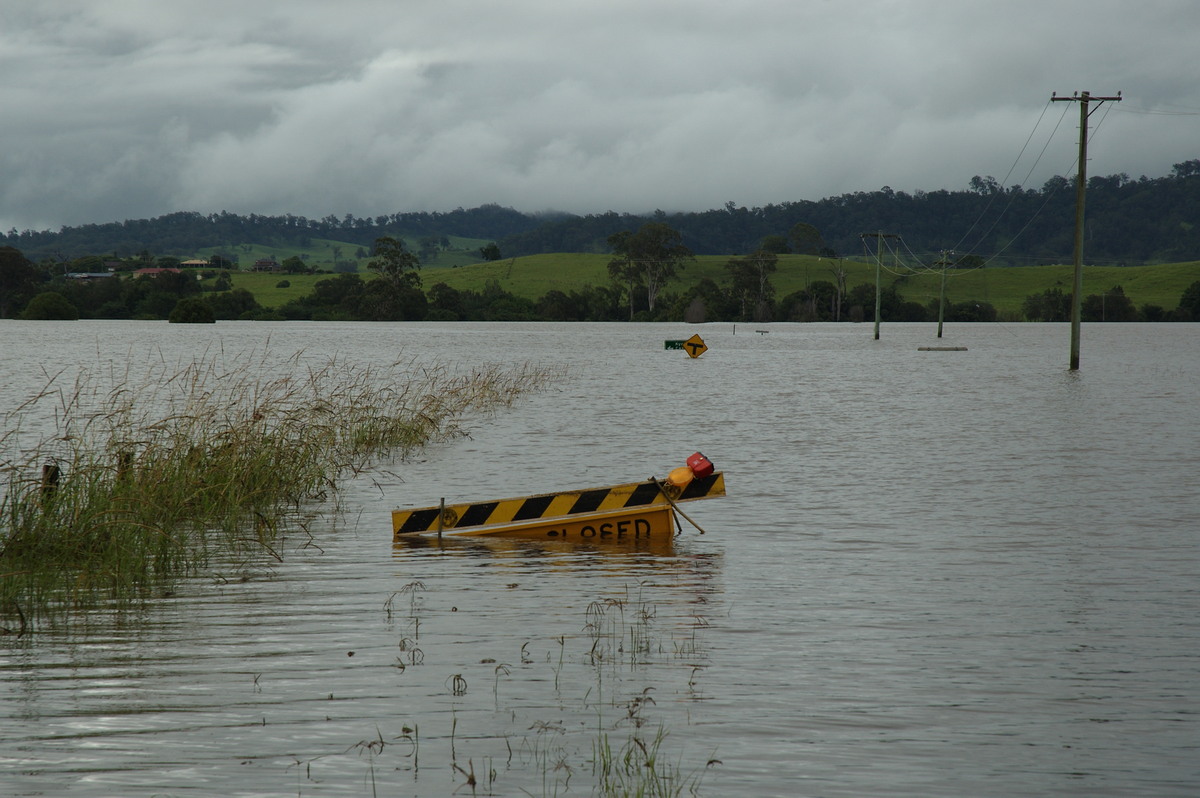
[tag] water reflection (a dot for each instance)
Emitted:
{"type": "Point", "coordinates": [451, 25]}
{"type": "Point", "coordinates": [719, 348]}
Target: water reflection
{"type": "Point", "coordinates": [618, 552]}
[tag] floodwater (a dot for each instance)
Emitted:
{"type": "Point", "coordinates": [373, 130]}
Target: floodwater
{"type": "Point", "coordinates": [936, 573]}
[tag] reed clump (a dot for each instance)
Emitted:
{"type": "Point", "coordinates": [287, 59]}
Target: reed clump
{"type": "Point", "coordinates": [139, 481]}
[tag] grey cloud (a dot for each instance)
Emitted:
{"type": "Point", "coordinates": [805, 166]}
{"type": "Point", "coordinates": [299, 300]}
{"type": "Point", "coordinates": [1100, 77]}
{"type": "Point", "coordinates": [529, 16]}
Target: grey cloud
{"type": "Point", "coordinates": [134, 108]}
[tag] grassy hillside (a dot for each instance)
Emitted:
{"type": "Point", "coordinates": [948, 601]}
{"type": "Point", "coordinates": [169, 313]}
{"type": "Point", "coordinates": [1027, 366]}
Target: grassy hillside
{"type": "Point", "coordinates": [1005, 288]}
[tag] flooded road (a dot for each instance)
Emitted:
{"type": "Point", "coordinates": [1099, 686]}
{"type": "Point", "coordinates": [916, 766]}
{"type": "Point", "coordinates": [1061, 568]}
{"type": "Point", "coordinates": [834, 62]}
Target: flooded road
{"type": "Point", "coordinates": [934, 574]}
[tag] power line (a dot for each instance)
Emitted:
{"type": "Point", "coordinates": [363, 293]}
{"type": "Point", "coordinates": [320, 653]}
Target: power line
{"type": "Point", "coordinates": [1009, 174]}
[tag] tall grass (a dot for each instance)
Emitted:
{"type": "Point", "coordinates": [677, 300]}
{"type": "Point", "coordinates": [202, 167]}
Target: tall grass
{"type": "Point", "coordinates": [143, 481]}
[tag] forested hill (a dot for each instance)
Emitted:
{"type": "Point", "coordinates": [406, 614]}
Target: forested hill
{"type": "Point", "coordinates": [1128, 222]}
{"type": "Point", "coordinates": [186, 232]}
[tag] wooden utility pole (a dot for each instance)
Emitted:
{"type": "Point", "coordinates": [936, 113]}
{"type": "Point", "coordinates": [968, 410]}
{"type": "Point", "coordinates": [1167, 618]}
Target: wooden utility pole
{"type": "Point", "coordinates": [942, 294]}
{"type": "Point", "coordinates": [878, 264]}
{"type": "Point", "coordinates": [1084, 99]}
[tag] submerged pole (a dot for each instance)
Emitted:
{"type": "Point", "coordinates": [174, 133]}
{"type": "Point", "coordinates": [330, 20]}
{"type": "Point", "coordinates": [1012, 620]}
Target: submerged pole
{"type": "Point", "coordinates": [1080, 199]}
{"type": "Point", "coordinates": [1084, 99]}
{"type": "Point", "coordinates": [878, 266]}
{"type": "Point", "coordinates": [942, 294]}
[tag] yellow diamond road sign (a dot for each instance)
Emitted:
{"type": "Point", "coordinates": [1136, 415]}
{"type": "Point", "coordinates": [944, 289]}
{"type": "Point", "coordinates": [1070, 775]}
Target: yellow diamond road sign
{"type": "Point", "coordinates": [695, 346]}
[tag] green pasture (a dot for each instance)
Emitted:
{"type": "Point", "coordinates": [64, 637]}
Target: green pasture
{"type": "Point", "coordinates": [1004, 288]}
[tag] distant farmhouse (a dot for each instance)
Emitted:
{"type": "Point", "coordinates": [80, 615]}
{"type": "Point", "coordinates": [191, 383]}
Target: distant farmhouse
{"type": "Point", "coordinates": [266, 265]}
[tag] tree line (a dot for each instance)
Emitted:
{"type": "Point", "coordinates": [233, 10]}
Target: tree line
{"type": "Point", "coordinates": [1129, 221]}
{"type": "Point", "coordinates": [642, 264]}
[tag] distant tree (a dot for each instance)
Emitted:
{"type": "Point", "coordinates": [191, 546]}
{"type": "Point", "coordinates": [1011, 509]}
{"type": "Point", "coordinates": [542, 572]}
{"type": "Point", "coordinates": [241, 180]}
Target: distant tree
{"type": "Point", "coordinates": [180, 283]}
{"type": "Point", "coordinates": [1189, 301]}
{"type": "Point", "coordinates": [775, 244]}
{"type": "Point", "coordinates": [18, 279]}
{"type": "Point", "coordinates": [395, 264]}
{"type": "Point", "coordinates": [806, 239]}
{"type": "Point", "coordinates": [294, 265]}
{"type": "Point", "coordinates": [969, 262]}
{"type": "Point", "coordinates": [820, 301]}
{"type": "Point", "coordinates": [382, 301]}
{"type": "Point", "coordinates": [985, 186]}
{"type": "Point", "coordinates": [892, 306]}
{"type": "Point", "coordinates": [490, 252]}
{"type": "Point", "coordinates": [95, 263]}
{"type": "Point", "coordinates": [501, 305]}
{"type": "Point", "coordinates": [655, 250]}
{"type": "Point", "coordinates": [429, 246]}
{"type": "Point", "coordinates": [839, 274]}
{"type": "Point", "coordinates": [708, 301]}
{"type": "Point", "coordinates": [233, 304]}
{"type": "Point", "coordinates": [445, 303]}
{"type": "Point", "coordinates": [597, 303]}
{"type": "Point", "coordinates": [1112, 305]}
{"type": "Point", "coordinates": [627, 274]}
{"type": "Point", "coordinates": [557, 306]}
{"type": "Point", "coordinates": [1186, 169]}
{"type": "Point", "coordinates": [1050, 305]}
{"type": "Point", "coordinates": [192, 310]}
{"type": "Point", "coordinates": [750, 283]}
{"type": "Point", "coordinates": [906, 310]}
{"type": "Point", "coordinates": [50, 306]}
{"type": "Point", "coordinates": [1150, 312]}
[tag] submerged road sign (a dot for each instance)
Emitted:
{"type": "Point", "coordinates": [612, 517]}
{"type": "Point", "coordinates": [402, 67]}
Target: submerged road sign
{"type": "Point", "coordinates": [695, 346]}
{"type": "Point", "coordinates": [637, 513]}
{"type": "Point", "coordinates": [469, 517]}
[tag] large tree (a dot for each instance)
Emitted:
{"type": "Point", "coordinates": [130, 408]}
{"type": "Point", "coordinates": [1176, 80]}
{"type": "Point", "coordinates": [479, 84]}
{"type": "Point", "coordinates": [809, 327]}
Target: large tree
{"type": "Point", "coordinates": [751, 283]}
{"type": "Point", "coordinates": [649, 257]}
{"type": "Point", "coordinates": [806, 239]}
{"type": "Point", "coordinates": [395, 264]}
{"type": "Point", "coordinates": [1189, 301]}
{"type": "Point", "coordinates": [18, 278]}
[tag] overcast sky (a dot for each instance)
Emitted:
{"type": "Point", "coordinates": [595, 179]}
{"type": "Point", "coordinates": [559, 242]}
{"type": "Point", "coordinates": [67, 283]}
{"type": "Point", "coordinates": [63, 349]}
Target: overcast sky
{"type": "Point", "coordinates": [115, 109]}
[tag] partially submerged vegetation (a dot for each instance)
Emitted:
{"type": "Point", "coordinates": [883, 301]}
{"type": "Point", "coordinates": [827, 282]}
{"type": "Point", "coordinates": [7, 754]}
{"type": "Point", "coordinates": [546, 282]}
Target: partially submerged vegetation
{"type": "Point", "coordinates": [619, 746]}
{"type": "Point", "coordinates": [140, 482]}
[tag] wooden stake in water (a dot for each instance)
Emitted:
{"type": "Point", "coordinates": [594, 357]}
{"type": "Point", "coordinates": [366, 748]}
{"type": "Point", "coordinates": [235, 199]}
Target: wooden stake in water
{"type": "Point", "coordinates": [50, 477]}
